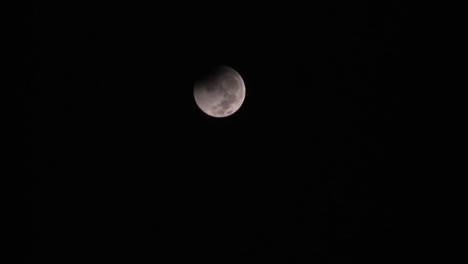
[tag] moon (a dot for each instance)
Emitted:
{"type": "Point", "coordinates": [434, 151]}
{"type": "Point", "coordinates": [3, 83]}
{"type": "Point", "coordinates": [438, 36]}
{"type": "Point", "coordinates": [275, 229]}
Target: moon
{"type": "Point", "coordinates": [220, 93]}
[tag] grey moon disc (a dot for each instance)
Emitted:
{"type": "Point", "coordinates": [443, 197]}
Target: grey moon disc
{"type": "Point", "coordinates": [220, 93]}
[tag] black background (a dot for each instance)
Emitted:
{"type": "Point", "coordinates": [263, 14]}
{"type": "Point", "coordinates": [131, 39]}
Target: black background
{"type": "Point", "coordinates": [125, 168]}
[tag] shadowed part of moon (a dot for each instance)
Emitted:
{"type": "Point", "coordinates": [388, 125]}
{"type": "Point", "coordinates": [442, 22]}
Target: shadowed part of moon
{"type": "Point", "coordinates": [221, 93]}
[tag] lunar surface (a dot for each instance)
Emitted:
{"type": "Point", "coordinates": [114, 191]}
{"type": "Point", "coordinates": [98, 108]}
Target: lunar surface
{"type": "Point", "coordinates": [220, 93]}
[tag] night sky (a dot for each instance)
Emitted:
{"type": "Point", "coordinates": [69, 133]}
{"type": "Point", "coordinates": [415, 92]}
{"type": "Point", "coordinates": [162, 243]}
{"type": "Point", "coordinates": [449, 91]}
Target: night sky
{"type": "Point", "coordinates": [124, 167]}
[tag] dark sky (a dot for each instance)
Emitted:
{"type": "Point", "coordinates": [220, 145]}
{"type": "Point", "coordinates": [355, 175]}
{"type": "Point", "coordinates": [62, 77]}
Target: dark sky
{"type": "Point", "coordinates": [125, 168]}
